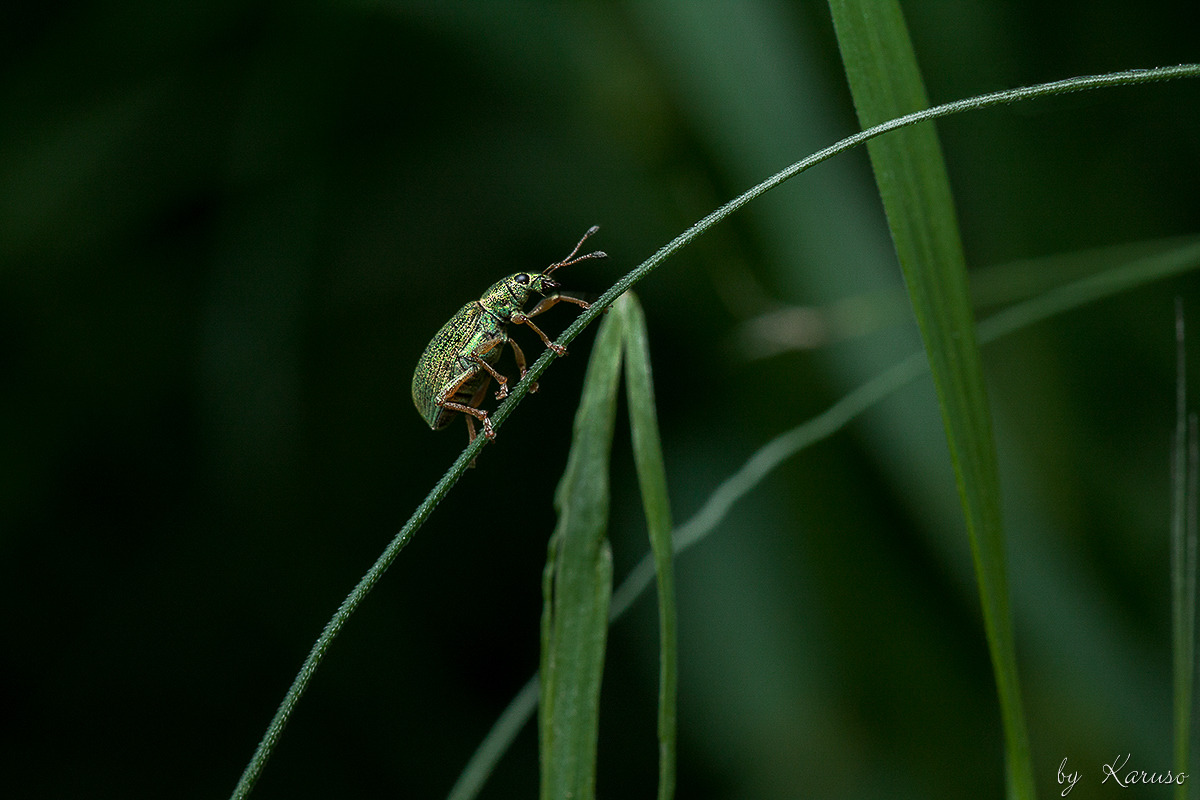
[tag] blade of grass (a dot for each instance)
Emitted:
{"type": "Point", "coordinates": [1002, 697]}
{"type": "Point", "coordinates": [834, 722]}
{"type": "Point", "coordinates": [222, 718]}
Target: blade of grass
{"type": "Point", "coordinates": [1020, 316]}
{"type": "Point", "coordinates": [300, 683]}
{"type": "Point", "coordinates": [1183, 555]}
{"type": "Point", "coordinates": [1193, 491]}
{"type": "Point", "coordinates": [999, 285]}
{"type": "Point", "coordinates": [498, 740]}
{"type": "Point", "coordinates": [886, 82]}
{"type": "Point", "coordinates": [578, 584]}
{"type": "Point", "coordinates": [996, 286]}
{"type": "Point", "coordinates": [705, 521]}
{"type": "Point", "coordinates": [652, 478]}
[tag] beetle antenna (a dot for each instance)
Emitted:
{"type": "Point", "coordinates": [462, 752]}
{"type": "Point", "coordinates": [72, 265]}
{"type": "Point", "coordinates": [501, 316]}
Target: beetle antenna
{"type": "Point", "coordinates": [570, 259]}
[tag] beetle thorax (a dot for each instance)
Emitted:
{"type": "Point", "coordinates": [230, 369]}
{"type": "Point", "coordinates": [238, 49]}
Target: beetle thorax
{"type": "Point", "coordinates": [506, 297]}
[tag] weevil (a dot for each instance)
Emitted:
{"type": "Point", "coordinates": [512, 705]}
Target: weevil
{"type": "Point", "coordinates": [454, 372]}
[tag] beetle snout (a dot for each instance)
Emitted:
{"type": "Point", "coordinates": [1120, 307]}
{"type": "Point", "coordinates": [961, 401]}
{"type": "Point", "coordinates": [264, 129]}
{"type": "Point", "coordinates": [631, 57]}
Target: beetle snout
{"type": "Point", "coordinates": [550, 283]}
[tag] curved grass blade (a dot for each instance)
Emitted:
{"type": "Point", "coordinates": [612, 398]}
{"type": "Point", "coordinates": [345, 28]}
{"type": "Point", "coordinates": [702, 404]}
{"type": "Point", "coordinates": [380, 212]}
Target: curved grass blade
{"type": "Point", "coordinates": [652, 479]}
{"type": "Point", "coordinates": [1023, 315]}
{"type": "Point", "coordinates": [300, 683]}
{"type": "Point", "coordinates": [578, 585]}
{"type": "Point", "coordinates": [886, 82]}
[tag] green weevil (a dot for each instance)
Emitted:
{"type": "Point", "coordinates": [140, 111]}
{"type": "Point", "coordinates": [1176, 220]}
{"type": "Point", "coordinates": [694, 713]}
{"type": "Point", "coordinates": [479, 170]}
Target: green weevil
{"type": "Point", "coordinates": [454, 372]}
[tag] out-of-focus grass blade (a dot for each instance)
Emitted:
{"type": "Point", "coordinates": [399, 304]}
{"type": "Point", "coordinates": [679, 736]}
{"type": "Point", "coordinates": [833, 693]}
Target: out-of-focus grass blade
{"type": "Point", "coordinates": [886, 82]}
{"type": "Point", "coordinates": [1189, 663]}
{"type": "Point", "coordinates": [999, 285]}
{"type": "Point", "coordinates": [788, 328]}
{"type": "Point", "coordinates": [652, 477]}
{"type": "Point", "coordinates": [577, 585]}
{"type": "Point", "coordinates": [1181, 258]}
{"type": "Point", "coordinates": [1183, 555]}
{"type": "Point", "coordinates": [496, 743]}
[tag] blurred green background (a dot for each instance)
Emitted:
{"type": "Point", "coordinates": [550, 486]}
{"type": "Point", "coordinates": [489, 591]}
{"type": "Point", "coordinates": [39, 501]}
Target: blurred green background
{"type": "Point", "coordinates": [227, 231]}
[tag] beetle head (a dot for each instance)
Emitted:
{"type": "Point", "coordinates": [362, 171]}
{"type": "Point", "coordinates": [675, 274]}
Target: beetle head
{"type": "Point", "coordinates": [514, 291]}
{"type": "Point", "coordinates": [523, 284]}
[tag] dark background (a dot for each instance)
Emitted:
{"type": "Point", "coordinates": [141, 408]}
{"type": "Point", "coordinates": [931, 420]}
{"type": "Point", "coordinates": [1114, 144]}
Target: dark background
{"type": "Point", "coordinates": [227, 230]}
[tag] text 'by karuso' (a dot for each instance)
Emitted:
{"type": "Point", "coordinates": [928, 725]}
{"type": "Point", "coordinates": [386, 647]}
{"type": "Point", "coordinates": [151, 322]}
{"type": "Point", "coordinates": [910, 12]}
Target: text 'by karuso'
{"type": "Point", "coordinates": [1118, 774]}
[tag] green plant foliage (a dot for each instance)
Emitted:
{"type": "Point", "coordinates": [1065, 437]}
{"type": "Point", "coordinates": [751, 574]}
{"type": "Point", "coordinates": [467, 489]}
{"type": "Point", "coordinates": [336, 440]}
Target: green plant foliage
{"type": "Point", "coordinates": [443, 486]}
{"type": "Point", "coordinates": [886, 83]}
{"type": "Point", "coordinates": [578, 585]}
{"type": "Point", "coordinates": [498, 740]}
{"type": "Point", "coordinates": [1150, 261]}
{"type": "Point", "coordinates": [652, 480]}
{"type": "Point", "coordinates": [578, 578]}
{"type": "Point", "coordinates": [227, 232]}
{"type": "Point", "coordinates": [1184, 478]}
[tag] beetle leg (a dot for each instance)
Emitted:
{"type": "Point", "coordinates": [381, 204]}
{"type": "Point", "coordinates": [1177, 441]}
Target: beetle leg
{"type": "Point", "coordinates": [523, 319]}
{"type": "Point", "coordinates": [470, 437]}
{"type": "Point", "coordinates": [474, 402]}
{"type": "Point", "coordinates": [477, 413]}
{"type": "Point", "coordinates": [554, 299]}
{"type": "Point", "coordinates": [480, 393]}
{"type": "Point", "coordinates": [548, 302]}
{"type": "Point", "coordinates": [519, 355]}
{"type": "Point", "coordinates": [478, 355]}
{"type": "Point", "coordinates": [500, 379]}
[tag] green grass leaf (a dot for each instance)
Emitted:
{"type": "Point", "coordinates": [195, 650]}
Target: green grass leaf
{"type": "Point", "coordinates": [886, 82]}
{"type": "Point", "coordinates": [578, 579]}
{"type": "Point", "coordinates": [496, 743]}
{"type": "Point", "coordinates": [578, 585]}
{"type": "Point", "coordinates": [1183, 556]}
{"type": "Point", "coordinates": [1163, 261]}
{"type": "Point", "coordinates": [312, 661]}
{"type": "Point", "coordinates": [652, 478]}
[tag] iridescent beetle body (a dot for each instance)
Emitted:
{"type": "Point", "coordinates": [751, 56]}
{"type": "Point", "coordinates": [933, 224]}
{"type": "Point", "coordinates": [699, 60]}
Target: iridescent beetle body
{"type": "Point", "coordinates": [453, 374]}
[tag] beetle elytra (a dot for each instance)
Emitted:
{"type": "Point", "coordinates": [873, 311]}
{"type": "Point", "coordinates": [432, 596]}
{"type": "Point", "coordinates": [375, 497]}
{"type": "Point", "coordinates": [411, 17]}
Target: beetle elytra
{"type": "Point", "coordinates": [458, 365]}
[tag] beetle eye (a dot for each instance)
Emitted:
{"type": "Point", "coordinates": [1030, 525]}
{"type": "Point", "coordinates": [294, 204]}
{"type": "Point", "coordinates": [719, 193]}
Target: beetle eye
{"type": "Point", "coordinates": [522, 279]}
